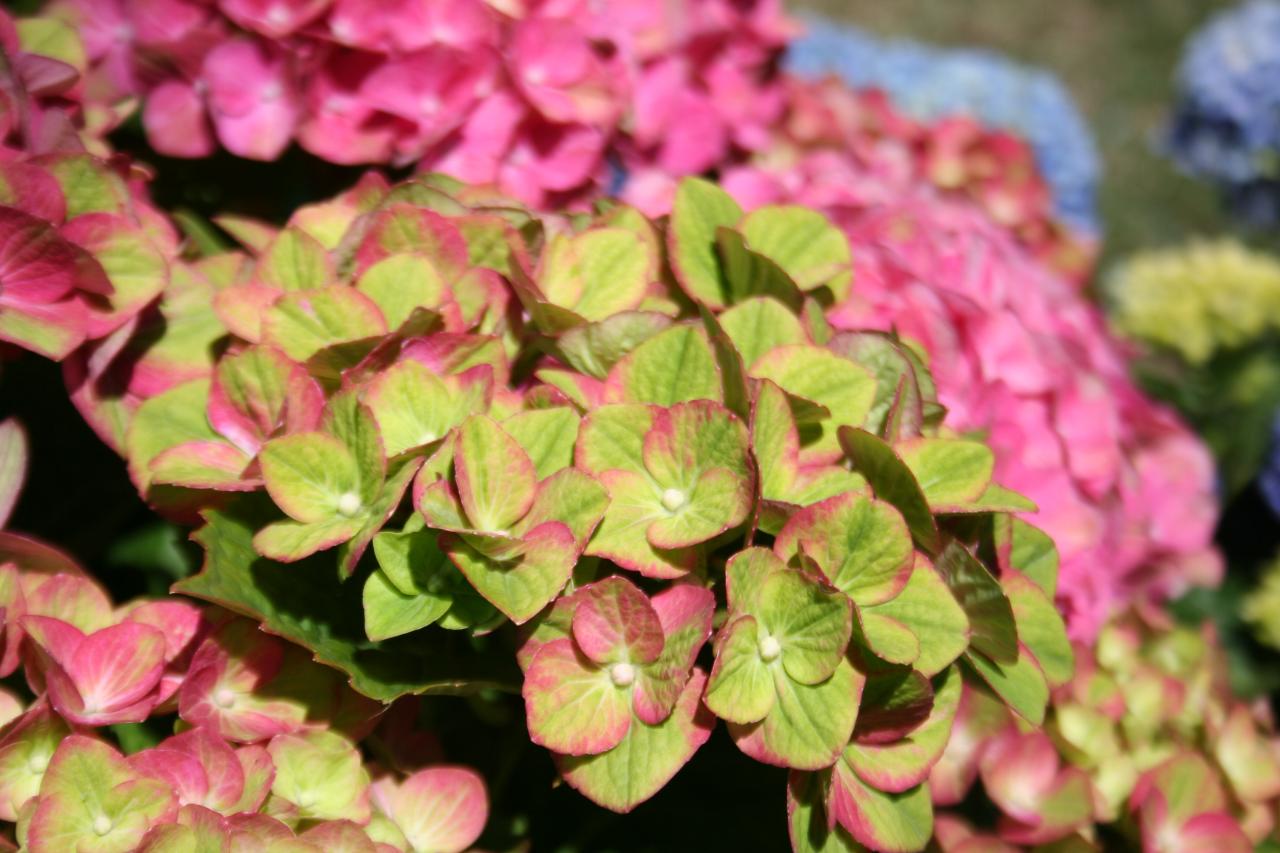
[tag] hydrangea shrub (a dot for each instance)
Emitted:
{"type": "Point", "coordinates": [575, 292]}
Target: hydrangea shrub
{"type": "Point", "coordinates": [928, 83]}
{"type": "Point", "coordinates": [1219, 370]}
{"type": "Point", "coordinates": [263, 752]}
{"type": "Point", "coordinates": [626, 468]}
{"type": "Point", "coordinates": [833, 142]}
{"type": "Point", "coordinates": [537, 98]}
{"type": "Point", "coordinates": [1017, 353]}
{"type": "Point", "coordinates": [81, 249]}
{"type": "Point", "coordinates": [1146, 744]}
{"type": "Point", "coordinates": [1223, 126]}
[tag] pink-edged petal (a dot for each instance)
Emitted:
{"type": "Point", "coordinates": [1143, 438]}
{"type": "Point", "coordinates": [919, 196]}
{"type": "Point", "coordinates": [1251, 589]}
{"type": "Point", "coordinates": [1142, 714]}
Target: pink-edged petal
{"type": "Point", "coordinates": [573, 706]}
{"type": "Point", "coordinates": [176, 123]}
{"type": "Point", "coordinates": [117, 666]}
{"type": "Point", "coordinates": [442, 808]}
{"type": "Point", "coordinates": [614, 621]}
{"type": "Point", "coordinates": [179, 621]}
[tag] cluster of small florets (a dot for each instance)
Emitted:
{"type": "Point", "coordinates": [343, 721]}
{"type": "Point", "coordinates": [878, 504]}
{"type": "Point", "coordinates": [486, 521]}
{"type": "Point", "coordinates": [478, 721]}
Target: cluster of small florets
{"type": "Point", "coordinates": [1146, 743]}
{"type": "Point", "coordinates": [1197, 301]}
{"type": "Point", "coordinates": [263, 747]}
{"type": "Point", "coordinates": [929, 83]}
{"type": "Point", "coordinates": [1020, 355]}
{"type": "Point", "coordinates": [536, 98]}
{"type": "Point", "coordinates": [1225, 127]}
{"type": "Point", "coordinates": [855, 146]}
{"type": "Point", "coordinates": [486, 418]}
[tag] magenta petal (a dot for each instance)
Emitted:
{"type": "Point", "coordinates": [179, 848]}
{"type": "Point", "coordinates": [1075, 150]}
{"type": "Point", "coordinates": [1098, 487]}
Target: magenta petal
{"type": "Point", "coordinates": [180, 771]}
{"type": "Point", "coordinates": [175, 120]}
{"type": "Point", "coordinates": [117, 666]}
{"type": "Point", "coordinates": [615, 622]}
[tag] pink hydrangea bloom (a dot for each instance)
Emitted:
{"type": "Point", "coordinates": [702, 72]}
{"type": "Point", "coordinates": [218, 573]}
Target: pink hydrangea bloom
{"type": "Point", "coordinates": [534, 97]}
{"type": "Point", "coordinates": [1121, 484]}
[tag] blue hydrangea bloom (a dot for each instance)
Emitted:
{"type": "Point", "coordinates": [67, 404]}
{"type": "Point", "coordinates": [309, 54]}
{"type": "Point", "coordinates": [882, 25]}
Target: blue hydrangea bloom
{"type": "Point", "coordinates": [1226, 123]}
{"type": "Point", "coordinates": [927, 82]}
{"type": "Point", "coordinates": [1269, 479]}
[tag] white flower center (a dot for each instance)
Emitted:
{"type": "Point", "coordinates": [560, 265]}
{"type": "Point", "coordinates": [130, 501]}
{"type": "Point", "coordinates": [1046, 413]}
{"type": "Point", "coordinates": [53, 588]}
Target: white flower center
{"type": "Point", "coordinates": [673, 499]}
{"type": "Point", "coordinates": [224, 698]}
{"type": "Point", "coordinates": [770, 648]}
{"type": "Point", "coordinates": [38, 763]}
{"type": "Point", "coordinates": [622, 674]}
{"type": "Point", "coordinates": [102, 824]}
{"type": "Point", "coordinates": [349, 504]}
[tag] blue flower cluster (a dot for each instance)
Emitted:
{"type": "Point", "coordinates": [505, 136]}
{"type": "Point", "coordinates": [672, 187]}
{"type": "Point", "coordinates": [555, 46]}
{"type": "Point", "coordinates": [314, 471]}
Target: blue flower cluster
{"type": "Point", "coordinates": [1226, 124]}
{"type": "Point", "coordinates": [927, 82]}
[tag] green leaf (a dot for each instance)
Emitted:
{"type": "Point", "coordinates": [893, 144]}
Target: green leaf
{"type": "Point", "coordinates": [1020, 684]}
{"type": "Point", "coordinates": [811, 625]}
{"type": "Point", "coordinates": [994, 632]}
{"type": "Point", "coordinates": [548, 436]}
{"type": "Point", "coordinates": [523, 585]}
{"type": "Point", "coordinates": [302, 323]}
{"type": "Point", "coordinates": [892, 822]}
{"type": "Point", "coordinates": [495, 477]}
{"type": "Point", "coordinates": [594, 348]}
{"type": "Point", "coordinates": [748, 274]}
{"type": "Point", "coordinates": [760, 324]}
{"type": "Point", "coordinates": [741, 687]}
{"type": "Point", "coordinates": [950, 471]}
{"type": "Point", "coordinates": [892, 481]}
{"type": "Point", "coordinates": [928, 609]}
{"type": "Point", "coordinates": [306, 603]}
{"type": "Point", "coordinates": [171, 418]}
{"type": "Point", "coordinates": [902, 764]}
{"type": "Point", "coordinates": [294, 260]}
{"type": "Point", "coordinates": [674, 366]}
{"type": "Point", "coordinates": [812, 250]}
{"type": "Point", "coordinates": [399, 284]}
{"type": "Point", "coordinates": [699, 209]}
{"type": "Point", "coordinates": [312, 476]}
{"type": "Point", "coordinates": [809, 724]}
{"type": "Point", "coordinates": [648, 756]}
{"type": "Point", "coordinates": [844, 389]}
{"type": "Point", "coordinates": [807, 819]}
{"type": "Point", "coordinates": [1029, 550]}
{"type": "Point", "coordinates": [1040, 628]}
{"type": "Point", "coordinates": [597, 273]}
{"type": "Point", "coordinates": [860, 544]}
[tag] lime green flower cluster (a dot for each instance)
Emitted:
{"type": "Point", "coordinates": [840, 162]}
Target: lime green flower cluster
{"type": "Point", "coordinates": [1262, 606]}
{"type": "Point", "coordinates": [1197, 300]}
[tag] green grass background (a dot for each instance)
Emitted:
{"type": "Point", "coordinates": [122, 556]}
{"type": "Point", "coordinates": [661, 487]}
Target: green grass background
{"type": "Point", "coordinates": [1117, 57]}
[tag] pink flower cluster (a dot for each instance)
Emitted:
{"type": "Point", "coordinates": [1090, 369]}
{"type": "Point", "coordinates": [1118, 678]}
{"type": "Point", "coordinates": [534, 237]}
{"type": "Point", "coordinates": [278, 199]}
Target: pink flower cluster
{"type": "Point", "coordinates": [1123, 487]}
{"type": "Point", "coordinates": [530, 95]}
{"type": "Point", "coordinates": [266, 751]}
{"type": "Point", "coordinates": [854, 146]}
